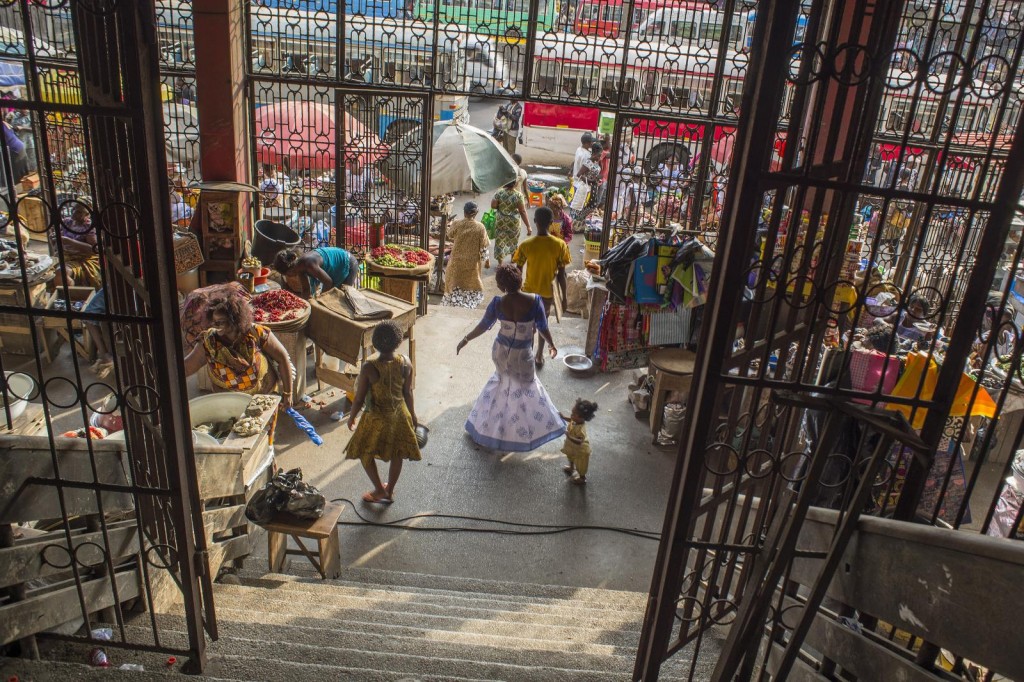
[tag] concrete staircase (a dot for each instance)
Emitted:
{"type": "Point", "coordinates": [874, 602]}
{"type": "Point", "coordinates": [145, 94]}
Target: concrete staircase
{"type": "Point", "coordinates": [383, 626]}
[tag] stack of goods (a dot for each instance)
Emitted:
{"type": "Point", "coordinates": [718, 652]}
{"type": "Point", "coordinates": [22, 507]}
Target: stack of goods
{"type": "Point", "coordinates": [280, 310]}
{"type": "Point", "coordinates": [36, 265]}
{"type": "Point", "coordinates": [442, 203]}
{"type": "Point", "coordinates": [656, 289]}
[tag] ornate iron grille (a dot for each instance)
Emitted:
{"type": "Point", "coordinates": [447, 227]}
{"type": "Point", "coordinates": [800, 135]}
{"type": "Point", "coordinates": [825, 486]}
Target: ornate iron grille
{"type": "Point", "coordinates": [128, 529]}
{"type": "Point", "coordinates": [795, 275]}
{"type": "Point", "coordinates": [918, 126]}
{"type": "Point", "coordinates": [178, 90]}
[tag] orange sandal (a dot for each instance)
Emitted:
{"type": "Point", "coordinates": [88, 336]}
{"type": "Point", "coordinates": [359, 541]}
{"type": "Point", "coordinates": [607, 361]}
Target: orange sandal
{"type": "Point", "coordinates": [373, 498]}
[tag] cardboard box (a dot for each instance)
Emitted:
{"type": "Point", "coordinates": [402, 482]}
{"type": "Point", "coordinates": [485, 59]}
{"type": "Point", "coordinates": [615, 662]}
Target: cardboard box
{"type": "Point", "coordinates": [30, 182]}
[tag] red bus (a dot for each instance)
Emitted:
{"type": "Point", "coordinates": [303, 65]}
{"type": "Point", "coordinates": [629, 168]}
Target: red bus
{"type": "Point", "coordinates": [604, 17]}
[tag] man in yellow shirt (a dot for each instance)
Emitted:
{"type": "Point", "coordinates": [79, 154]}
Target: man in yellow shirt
{"type": "Point", "coordinates": [544, 258]}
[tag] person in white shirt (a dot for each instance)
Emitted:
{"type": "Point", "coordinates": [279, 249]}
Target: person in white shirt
{"type": "Point", "coordinates": [583, 153]}
{"type": "Point", "coordinates": [628, 195]}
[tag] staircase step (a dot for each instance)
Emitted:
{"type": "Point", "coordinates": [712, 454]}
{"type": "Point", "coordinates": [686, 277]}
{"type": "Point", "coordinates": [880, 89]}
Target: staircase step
{"type": "Point", "coordinates": [429, 643]}
{"type": "Point", "coordinates": [600, 598]}
{"type": "Point", "coordinates": [32, 671]}
{"type": "Point", "coordinates": [439, 604]}
{"type": "Point", "coordinates": [255, 667]}
{"type": "Point", "coordinates": [470, 600]}
{"type": "Point", "coordinates": [247, 657]}
{"type": "Point", "coordinates": [434, 618]}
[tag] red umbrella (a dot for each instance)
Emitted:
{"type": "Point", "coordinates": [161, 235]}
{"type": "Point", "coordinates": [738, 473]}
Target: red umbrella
{"type": "Point", "coordinates": [303, 133]}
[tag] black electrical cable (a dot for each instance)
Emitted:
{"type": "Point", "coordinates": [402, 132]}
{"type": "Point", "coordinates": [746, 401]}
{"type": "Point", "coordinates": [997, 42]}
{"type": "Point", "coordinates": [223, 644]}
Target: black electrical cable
{"type": "Point", "coordinates": [538, 528]}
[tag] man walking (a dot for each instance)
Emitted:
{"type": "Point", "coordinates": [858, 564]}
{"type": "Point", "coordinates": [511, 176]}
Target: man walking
{"type": "Point", "coordinates": [544, 258]}
{"type": "Point", "coordinates": [582, 153]}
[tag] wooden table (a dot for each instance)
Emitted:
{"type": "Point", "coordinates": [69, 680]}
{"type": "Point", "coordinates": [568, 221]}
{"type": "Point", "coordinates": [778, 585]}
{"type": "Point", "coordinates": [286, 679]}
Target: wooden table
{"type": "Point", "coordinates": [673, 371]}
{"type": "Point", "coordinates": [404, 286]}
{"type": "Point", "coordinates": [352, 342]}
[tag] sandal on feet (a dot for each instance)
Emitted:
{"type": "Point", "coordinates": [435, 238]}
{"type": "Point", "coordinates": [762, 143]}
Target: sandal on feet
{"type": "Point", "coordinates": [569, 470]}
{"type": "Point", "coordinates": [578, 480]}
{"type": "Point", "coordinates": [373, 497]}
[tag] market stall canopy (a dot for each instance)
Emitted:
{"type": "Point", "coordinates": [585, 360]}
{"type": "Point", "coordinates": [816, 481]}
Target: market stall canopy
{"type": "Point", "coordinates": [303, 134]}
{"type": "Point", "coordinates": [463, 159]}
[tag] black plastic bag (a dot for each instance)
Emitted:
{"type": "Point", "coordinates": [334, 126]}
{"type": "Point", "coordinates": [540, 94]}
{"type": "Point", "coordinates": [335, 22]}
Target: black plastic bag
{"type": "Point", "coordinates": [285, 492]}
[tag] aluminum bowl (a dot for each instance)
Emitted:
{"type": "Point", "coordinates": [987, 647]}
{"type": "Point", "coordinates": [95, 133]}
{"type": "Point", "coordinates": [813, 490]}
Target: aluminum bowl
{"type": "Point", "coordinates": [20, 388]}
{"type": "Point", "coordinates": [578, 363]}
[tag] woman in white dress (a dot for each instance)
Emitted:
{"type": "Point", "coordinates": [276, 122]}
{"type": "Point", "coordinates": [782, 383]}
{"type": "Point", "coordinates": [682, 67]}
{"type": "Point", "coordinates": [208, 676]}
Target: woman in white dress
{"type": "Point", "coordinates": [513, 412]}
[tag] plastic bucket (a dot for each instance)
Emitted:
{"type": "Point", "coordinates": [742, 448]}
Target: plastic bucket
{"type": "Point", "coordinates": [271, 238]}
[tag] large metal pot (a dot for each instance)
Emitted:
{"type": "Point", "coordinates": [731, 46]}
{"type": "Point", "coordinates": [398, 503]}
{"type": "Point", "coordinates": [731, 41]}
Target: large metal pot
{"type": "Point", "coordinates": [271, 238]}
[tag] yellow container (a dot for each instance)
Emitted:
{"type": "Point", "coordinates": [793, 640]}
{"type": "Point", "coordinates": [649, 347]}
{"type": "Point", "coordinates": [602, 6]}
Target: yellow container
{"type": "Point", "coordinates": [591, 250]}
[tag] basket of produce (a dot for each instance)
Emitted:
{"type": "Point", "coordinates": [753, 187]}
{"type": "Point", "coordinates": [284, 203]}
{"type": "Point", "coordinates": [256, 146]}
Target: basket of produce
{"type": "Point", "coordinates": [396, 259]}
{"type": "Point", "coordinates": [280, 311]}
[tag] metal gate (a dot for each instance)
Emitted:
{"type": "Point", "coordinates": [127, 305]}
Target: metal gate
{"type": "Point", "coordinates": [327, 111]}
{"type": "Point", "coordinates": [110, 526]}
{"type": "Point", "coordinates": [780, 415]}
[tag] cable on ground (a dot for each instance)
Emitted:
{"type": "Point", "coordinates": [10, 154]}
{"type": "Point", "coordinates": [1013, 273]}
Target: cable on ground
{"type": "Point", "coordinates": [534, 528]}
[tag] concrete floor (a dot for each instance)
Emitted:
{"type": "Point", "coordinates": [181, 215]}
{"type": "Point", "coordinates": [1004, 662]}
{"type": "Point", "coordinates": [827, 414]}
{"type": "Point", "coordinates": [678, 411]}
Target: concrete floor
{"type": "Point", "coordinates": [628, 482]}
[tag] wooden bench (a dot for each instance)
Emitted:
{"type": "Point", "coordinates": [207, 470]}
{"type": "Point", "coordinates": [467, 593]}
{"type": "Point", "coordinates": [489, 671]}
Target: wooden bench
{"type": "Point", "coordinates": [326, 557]}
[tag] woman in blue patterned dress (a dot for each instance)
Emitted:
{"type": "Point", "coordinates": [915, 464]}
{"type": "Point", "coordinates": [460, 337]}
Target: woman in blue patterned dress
{"type": "Point", "coordinates": [513, 412]}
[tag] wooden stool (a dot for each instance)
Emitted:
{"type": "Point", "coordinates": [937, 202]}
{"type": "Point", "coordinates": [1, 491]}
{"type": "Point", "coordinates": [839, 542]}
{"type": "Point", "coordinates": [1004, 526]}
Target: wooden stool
{"type": "Point", "coordinates": [326, 560]}
{"type": "Point", "coordinates": [673, 371]}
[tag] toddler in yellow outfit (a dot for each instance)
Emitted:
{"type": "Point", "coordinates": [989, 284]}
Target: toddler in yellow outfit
{"type": "Point", "coordinates": [577, 445]}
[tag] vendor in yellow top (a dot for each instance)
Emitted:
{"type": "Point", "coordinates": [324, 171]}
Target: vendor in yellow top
{"type": "Point", "coordinates": [544, 258]}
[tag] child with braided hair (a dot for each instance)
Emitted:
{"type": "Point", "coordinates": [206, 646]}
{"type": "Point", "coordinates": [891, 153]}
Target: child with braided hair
{"type": "Point", "coordinates": [387, 430]}
{"type": "Point", "coordinates": [577, 445]}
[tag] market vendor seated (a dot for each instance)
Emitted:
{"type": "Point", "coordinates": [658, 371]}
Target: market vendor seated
{"type": "Point", "coordinates": [78, 242]}
{"type": "Point", "coordinates": [237, 353]}
{"type": "Point", "coordinates": [327, 267]}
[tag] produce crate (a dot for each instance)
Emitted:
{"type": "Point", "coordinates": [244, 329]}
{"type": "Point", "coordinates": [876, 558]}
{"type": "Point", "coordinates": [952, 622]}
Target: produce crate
{"type": "Point", "coordinates": [591, 250]}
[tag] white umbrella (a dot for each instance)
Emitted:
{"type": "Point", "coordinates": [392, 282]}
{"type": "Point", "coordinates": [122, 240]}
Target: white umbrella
{"type": "Point", "coordinates": [463, 159]}
{"type": "Point", "coordinates": [181, 132]}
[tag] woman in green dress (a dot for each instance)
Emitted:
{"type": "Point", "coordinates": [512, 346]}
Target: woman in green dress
{"type": "Point", "coordinates": [509, 207]}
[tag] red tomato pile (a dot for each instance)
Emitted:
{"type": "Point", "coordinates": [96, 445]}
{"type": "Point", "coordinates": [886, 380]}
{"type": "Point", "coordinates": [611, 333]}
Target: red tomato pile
{"type": "Point", "coordinates": [277, 306]}
{"type": "Point", "coordinates": [394, 256]}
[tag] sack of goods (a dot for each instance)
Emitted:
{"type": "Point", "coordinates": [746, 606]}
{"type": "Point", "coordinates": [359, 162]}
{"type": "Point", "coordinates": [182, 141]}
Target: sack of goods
{"type": "Point", "coordinates": [285, 492]}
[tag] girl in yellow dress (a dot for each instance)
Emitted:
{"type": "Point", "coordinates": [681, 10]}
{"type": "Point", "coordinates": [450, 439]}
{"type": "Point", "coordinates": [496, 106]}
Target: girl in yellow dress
{"type": "Point", "coordinates": [577, 445]}
{"type": "Point", "coordinates": [387, 430]}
